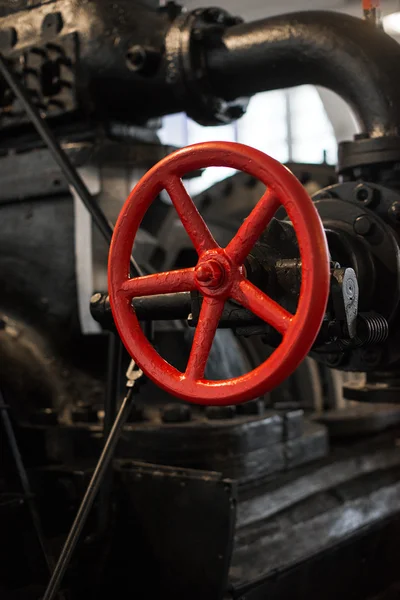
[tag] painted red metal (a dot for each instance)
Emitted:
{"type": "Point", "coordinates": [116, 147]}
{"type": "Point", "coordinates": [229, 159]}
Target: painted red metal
{"type": "Point", "coordinates": [219, 274]}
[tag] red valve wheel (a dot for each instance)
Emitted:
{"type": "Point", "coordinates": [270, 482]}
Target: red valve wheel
{"type": "Point", "coordinates": [219, 274]}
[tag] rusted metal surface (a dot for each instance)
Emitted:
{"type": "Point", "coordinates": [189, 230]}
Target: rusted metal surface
{"type": "Point", "coordinates": [219, 274]}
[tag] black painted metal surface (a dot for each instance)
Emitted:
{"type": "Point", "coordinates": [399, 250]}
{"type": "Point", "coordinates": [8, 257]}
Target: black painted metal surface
{"type": "Point", "coordinates": [330, 49]}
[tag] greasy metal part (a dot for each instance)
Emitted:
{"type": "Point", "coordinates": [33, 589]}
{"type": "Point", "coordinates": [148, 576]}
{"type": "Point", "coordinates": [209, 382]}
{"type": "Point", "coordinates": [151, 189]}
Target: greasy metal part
{"type": "Point", "coordinates": [356, 486]}
{"type": "Point", "coordinates": [364, 151]}
{"type": "Point", "coordinates": [187, 65]}
{"type": "Point", "coordinates": [90, 495]}
{"type": "Point", "coordinates": [62, 159]}
{"type": "Point", "coordinates": [248, 443]}
{"type": "Point", "coordinates": [362, 233]}
{"type": "Point", "coordinates": [330, 49]}
{"type": "Point", "coordinates": [204, 63]}
{"type": "Point", "coordinates": [33, 174]}
{"type": "Point", "coordinates": [219, 274]}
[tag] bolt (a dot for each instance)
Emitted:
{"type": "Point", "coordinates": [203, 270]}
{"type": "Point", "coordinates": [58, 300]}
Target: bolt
{"type": "Point", "coordinates": [84, 413]}
{"type": "Point", "coordinates": [255, 407]}
{"type": "Point", "coordinates": [363, 193]}
{"type": "Point", "coordinates": [96, 298]}
{"type": "Point", "coordinates": [362, 225]}
{"type": "Point", "coordinates": [334, 360]}
{"type": "Point", "coordinates": [8, 38]}
{"type": "Point", "coordinates": [52, 24]}
{"type": "Point", "coordinates": [176, 413]}
{"type": "Point", "coordinates": [142, 60]}
{"type": "Point", "coordinates": [210, 273]}
{"type": "Point", "coordinates": [394, 212]}
{"type": "Point", "coordinates": [44, 416]}
{"type": "Point", "coordinates": [215, 413]}
{"type": "Point", "coordinates": [136, 58]}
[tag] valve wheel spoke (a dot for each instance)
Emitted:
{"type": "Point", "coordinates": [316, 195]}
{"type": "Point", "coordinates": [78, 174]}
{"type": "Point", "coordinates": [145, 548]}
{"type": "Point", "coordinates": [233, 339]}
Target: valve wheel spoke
{"type": "Point", "coordinates": [210, 314]}
{"type": "Point", "coordinates": [181, 280]}
{"type": "Point", "coordinates": [252, 227]}
{"type": "Point", "coordinates": [191, 219]}
{"type": "Point", "coordinates": [252, 298]}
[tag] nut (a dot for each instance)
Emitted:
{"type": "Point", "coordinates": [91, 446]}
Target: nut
{"type": "Point", "coordinates": [176, 413]}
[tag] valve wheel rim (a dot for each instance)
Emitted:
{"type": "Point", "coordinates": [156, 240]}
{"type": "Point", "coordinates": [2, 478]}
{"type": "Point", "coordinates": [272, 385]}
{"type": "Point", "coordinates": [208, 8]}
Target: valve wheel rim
{"type": "Point", "coordinates": [219, 274]}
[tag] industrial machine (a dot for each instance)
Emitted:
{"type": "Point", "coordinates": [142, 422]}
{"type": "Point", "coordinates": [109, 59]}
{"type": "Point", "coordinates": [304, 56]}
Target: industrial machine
{"type": "Point", "coordinates": [167, 370]}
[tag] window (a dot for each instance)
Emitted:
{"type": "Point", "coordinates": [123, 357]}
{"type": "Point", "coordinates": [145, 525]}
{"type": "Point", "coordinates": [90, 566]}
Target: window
{"type": "Point", "coordinates": [290, 125]}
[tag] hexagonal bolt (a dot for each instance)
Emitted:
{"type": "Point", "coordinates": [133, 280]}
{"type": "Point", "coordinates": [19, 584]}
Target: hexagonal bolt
{"type": "Point", "coordinates": [176, 413]}
{"type": "Point", "coordinates": [255, 407]}
{"type": "Point", "coordinates": [365, 194]}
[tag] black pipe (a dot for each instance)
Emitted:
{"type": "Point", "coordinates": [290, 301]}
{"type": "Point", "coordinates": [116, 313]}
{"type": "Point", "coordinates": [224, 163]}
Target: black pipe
{"type": "Point", "coordinates": [337, 51]}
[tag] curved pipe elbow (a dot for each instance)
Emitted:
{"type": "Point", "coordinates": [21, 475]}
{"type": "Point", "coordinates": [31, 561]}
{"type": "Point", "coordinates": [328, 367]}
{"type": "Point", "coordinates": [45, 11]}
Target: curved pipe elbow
{"type": "Point", "coordinates": [333, 50]}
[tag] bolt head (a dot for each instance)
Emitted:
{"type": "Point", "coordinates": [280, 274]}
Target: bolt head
{"type": "Point", "coordinates": [362, 225]}
{"type": "Point", "coordinates": [96, 298]}
{"type": "Point", "coordinates": [210, 273]}
{"type": "Point", "coordinates": [176, 413]}
{"type": "Point", "coordinates": [136, 58]}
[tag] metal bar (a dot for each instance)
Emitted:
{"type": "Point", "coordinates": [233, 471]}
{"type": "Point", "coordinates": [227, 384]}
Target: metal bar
{"type": "Point", "coordinates": [24, 480]}
{"type": "Point", "coordinates": [110, 410]}
{"type": "Point", "coordinates": [68, 169]}
{"type": "Point", "coordinates": [90, 495]}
